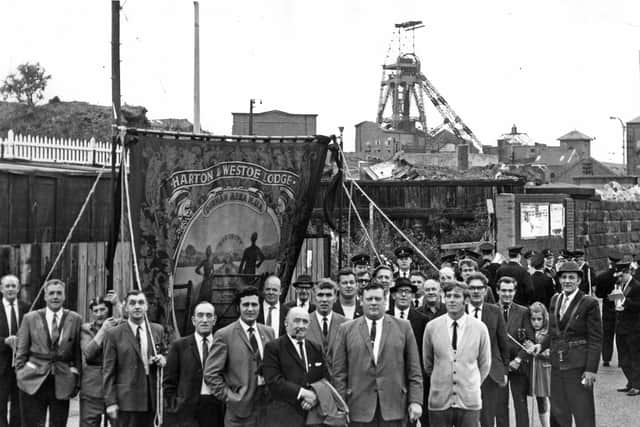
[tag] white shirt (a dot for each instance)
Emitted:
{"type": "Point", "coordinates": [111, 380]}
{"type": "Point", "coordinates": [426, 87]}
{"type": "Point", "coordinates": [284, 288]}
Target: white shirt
{"type": "Point", "coordinates": [397, 311]}
{"type": "Point", "coordinates": [144, 344]}
{"type": "Point", "coordinates": [471, 310]}
{"type": "Point", "coordinates": [420, 301]}
{"type": "Point", "coordinates": [461, 323]}
{"type": "Point", "coordinates": [321, 317]}
{"type": "Point", "coordinates": [305, 305]}
{"type": "Point", "coordinates": [275, 316]}
{"type": "Point", "coordinates": [304, 349]}
{"type": "Point", "coordinates": [48, 313]}
{"type": "Point", "coordinates": [7, 311]}
{"type": "Point", "coordinates": [569, 299]}
{"type": "Point", "coordinates": [198, 339]}
{"type": "Point", "coordinates": [349, 311]}
{"type": "Point", "coordinates": [256, 334]}
{"type": "Point", "coordinates": [378, 338]}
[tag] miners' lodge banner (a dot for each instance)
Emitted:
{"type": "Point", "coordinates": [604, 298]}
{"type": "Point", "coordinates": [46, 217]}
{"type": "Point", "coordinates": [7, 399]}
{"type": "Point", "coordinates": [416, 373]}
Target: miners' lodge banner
{"type": "Point", "coordinates": [217, 213]}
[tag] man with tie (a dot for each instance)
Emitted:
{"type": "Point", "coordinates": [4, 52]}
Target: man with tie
{"type": "Point", "coordinates": [574, 340]}
{"type": "Point", "coordinates": [519, 333]}
{"type": "Point", "coordinates": [272, 313]}
{"type": "Point", "coordinates": [189, 401]}
{"type": "Point", "coordinates": [48, 359]}
{"type": "Point", "coordinates": [403, 257]}
{"type": "Point", "coordinates": [347, 303]}
{"type": "Point", "coordinates": [324, 322]}
{"type": "Point", "coordinates": [11, 312]}
{"type": "Point", "coordinates": [131, 360]}
{"type": "Point", "coordinates": [376, 366]}
{"type": "Point", "coordinates": [291, 364]}
{"type": "Point", "coordinates": [514, 269]}
{"type": "Point", "coordinates": [492, 318]}
{"type": "Point", "coordinates": [383, 275]}
{"type": "Point", "coordinates": [418, 279]}
{"type": "Point", "coordinates": [605, 282]}
{"type": "Point", "coordinates": [303, 285]}
{"type": "Point", "coordinates": [626, 299]}
{"type": "Point", "coordinates": [233, 371]}
{"type": "Point", "coordinates": [457, 356]}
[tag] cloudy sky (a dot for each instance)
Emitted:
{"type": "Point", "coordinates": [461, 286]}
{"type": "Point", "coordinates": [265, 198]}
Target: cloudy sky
{"type": "Point", "coordinates": [548, 66]}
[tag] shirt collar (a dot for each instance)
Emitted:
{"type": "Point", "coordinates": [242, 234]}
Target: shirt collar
{"type": "Point", "coordinates": [49, 313]}
{"type": "Point", "coordinates": [294, 341]}
{"type": "Point", "coordinates": [461, 321]}
{"type": "Point", "coordinates": [571, 296]}
{"type": "Point", "coordinates": [320, 317]}
{"type": "Point", "coordinates": [134, 327]}
{"type": "Point", "coordinates": [199, 337]}
{"type": "Point", "coordinates": [471, 308]}
{"type": "Point", "coordinates": [266, 305]}
{"type": "Point", "coordinates": [7, 303]}
{"type": "Point", "coordinates": [246, 327]}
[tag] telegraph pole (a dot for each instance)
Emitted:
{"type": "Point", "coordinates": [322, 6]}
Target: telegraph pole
{"type": "Point", "coordinates": [196, 67]}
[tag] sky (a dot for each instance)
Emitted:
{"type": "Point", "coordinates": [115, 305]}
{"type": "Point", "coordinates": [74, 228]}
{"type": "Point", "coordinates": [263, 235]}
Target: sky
{"type": "Point", "coordinates": [548, 66]}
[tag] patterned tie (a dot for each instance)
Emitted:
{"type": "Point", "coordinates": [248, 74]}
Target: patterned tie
{"type": "Point", "coordinates": [55, 332]}
{"type": "Point", "coordinates": [401, 314]}
{"type": "Point", "coordinates": [304, 359]}
{"type": "Point", "coordinates": [205, 350]}
{"type": "Point", "coordinates": [13, 328]}
{"type": "Point", "coordinates": [269, 319]}
{"type": "Point", "coordinates": [373, 331]}
{"type": "Point", "coordinates": [254, 342]}
{"type": "Point", "coordinates": [454, 338]}
{"type": "Point", "coordinates": [416, 303]}
{"type": "Point", "coordinates": [139, 338]}
{"type": "Point", "coordinates": [475, 314]}
{"type": "Point", "coordinates": [505, 312]}
{"type": "Point", "coordinates": [325, 326]}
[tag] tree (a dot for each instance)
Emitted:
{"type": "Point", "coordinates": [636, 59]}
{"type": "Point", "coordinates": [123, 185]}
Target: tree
{"type": "Point", "coordinates": [27, 85]}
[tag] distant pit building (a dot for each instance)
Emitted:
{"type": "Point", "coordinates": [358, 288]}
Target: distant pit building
{"type": "Point", "coordinates": [275, 123]}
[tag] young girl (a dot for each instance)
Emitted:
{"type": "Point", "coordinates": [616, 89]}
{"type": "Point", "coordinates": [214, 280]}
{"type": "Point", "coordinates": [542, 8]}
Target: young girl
{"type": "Point", "coordinates": [541, 367]}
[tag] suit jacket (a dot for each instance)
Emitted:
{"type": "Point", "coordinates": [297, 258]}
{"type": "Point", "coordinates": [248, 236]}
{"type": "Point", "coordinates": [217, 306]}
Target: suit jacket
{"type": "Point", "coordinates": [461, 374]}
{"type": "Point", "coordinates": [124, 378]}
{"type": "Point", "coordinates": [588, 279]}
{"type": "Point", "coordinates": [604, 283]}
{"type": "Point", "coordinates": [524, 290]}
{"type": "Point", "coordinates": [91, 362]}
{"type": "Point", "coordinates": [232, 364]}
{"type": "Point", "coordinates": [519, 327]}
{"type": "Point", "coordinates": [418, 322]}
{"type": "Point", "coordinates": [284, 309]}
{"type": "Point", "coordinates": [37, 356]}
{"type": "Point", "coordinates": [285, 374]}
{"type": "Point", "coordinates": [183, 375]}
{"type": "Point", "coordinates": [290, 304]}
{"type": "Point", "coordinates": [314, 334]}
{"type": "Point", "coordinates": [430, 315]}
{"type": "Point", "coordinates": [6, 353]}
{"type": "Point", "coordinates": [543, 288]}
{"type": "Point", "coordinates": [337, 308]}
{"type": "Point", "coordinates": [581, 344]}
{"type": "Point", "coordinates": [493, 320]}
{"type": "Point", "coordinates": [628, 320]}
{"type": "Point", "coordinates": [395, 380]}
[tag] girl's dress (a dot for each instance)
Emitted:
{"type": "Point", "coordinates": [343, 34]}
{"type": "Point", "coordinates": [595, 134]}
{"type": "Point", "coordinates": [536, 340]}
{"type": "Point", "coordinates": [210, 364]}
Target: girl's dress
{"type": "Point", "coordinates": [541, 371]}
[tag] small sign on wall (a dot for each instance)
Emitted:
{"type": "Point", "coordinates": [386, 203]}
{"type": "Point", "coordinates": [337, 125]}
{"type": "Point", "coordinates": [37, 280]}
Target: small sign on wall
{"type": "Point", "coordinates": [541, 219]}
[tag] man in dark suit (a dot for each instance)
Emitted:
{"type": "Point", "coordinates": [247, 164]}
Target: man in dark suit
{"type": "Point", "coordinates": [324, 322]}
{"type": "Point", "coordinates": [432, 306]}
{"type": "Point", "coordinates": [574, 340]}
{"type": "Point", "coordinates": [272, 313]}
{"type": "Point", "coordinates": [189, 401]}
{"type": "Point", "coordinates": [626, 297]}
{"type": "Point", "coordinates": [303, 285]}
{"type": "Point", "coordinates": [513, 268]}
{"type": "Point", "coordinates": [404, 260]}
{"type": "Point", "coordinates": [49, 359]}
{"type": "Point", "coordinates": [376, 366]}
{"type": "Point", "coordinates": [492, 318]}
{"type": "Point", "coordinates": [604, 283]}
{"type": "Point", "coordinates": [11, 312]}
{"type": "Point", "coordinates": [233, 370]}
{"type": "Point", "coordinates": [519, 329]}
{"type": "Point", "coordinates": [488, 267]}
{"type": "Point", "coordinates": [347, 303]}
{"type": "Point", "coordinates": [291, 364]}
{"type": "Point", "coordinates": [131, 359]}
{"type": "Point", "coordinates": [588, 275]}
{"type": "Point", "coordinates": [543, 286]}
{"type": "Point", "coordinates": [402, 293]}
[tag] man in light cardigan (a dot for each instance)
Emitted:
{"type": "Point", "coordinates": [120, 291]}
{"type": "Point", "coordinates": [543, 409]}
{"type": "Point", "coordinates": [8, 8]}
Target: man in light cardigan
{"type": "Point", "coordinates": [457, 356]}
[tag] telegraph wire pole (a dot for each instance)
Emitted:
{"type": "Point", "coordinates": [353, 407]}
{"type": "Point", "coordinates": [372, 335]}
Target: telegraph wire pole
{"type": "Point", "coordinates": [196, 67]}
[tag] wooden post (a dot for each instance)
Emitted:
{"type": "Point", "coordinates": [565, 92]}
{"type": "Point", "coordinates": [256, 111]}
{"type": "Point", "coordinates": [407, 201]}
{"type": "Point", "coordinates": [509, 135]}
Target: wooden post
{"type": "Point", "coordinates": [196, 67]}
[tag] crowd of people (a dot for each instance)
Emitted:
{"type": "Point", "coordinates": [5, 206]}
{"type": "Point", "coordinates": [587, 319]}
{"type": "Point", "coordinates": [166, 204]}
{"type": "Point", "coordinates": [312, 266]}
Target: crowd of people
{"type": "Point", "coordinates": [384, 345]}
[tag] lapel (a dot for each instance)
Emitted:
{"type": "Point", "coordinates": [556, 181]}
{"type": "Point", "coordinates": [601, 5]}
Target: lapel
{"type": "Point", "coordinates": [243, 336]}
{"type": "Point", "coordinates": [4, 327]}
{"type": "Point", "coordinates": [293, 352]}
{"type": "Point", "coordinates": [66, 329]}
{"type": "Point", "coordinates": [366, 338]}
{"type": "Point", "coordinates": [333, 328]}
{"type": "Point", "coordinates": [315, 330]}
{"type": "Point", "coordinates": [567, 314]}
{"type": "Point", "coordinates": [42, 312]}
{"type": "Point", "coordinates": [385, 333]}
{"type": "Point", "coordinates": [128, 334]}
{"type": "Point", "coordinates": [194, 350]}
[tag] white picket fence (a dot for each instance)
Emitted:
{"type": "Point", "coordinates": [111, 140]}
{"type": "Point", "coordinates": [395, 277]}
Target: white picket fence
{"type": "Point", "coordinates": [57, 150]}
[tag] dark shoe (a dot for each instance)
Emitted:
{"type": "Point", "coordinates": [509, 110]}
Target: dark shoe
{"type": "Point", "coordinates": [625, 389]}
{"type": "Point", "coordinates": [633, 392]}
{"type": "Point", "coordinates": [605, 364]}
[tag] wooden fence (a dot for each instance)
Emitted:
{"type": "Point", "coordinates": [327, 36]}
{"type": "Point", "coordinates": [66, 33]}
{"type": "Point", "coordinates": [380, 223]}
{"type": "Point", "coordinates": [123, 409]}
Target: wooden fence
{"type": "Point", "coordinates": [57, 150]}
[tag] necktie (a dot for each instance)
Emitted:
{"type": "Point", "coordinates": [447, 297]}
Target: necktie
{"type": "Point", "coordinates": [373, 331]}
{"type": "Point", "coordinates": [416, 303]}
{"type": "Point", "coordinates": [505, 312]}
{"type": "Point", "coordinates": [55, 332]}
{"type": "Point", "coordinates": [13, 329]}
{"type": "Point", "coordinates": [139, 338]}
{"type": "Point", "coordinates": [254, 342]}
{"type": "Point", "coordinates": [565, 305]}
{"type": "Point", "coordinates": [205, 350]}
{"type": "Point", "coordinates": [402, 314]}
{"type": "Point", "coordinates": [325, 326]}
{"type": "Point", "coordinates": [454, 338]}
{"type": "Point", "coordinates": [304, 359]}
{"type": "Point", "coordinates": [475, 314]}
{"type": "Point", "coordinates": [271, 308]}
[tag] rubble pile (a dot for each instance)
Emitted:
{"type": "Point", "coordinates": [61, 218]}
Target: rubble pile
{"type": "Point", "coordinates": [614, 191]}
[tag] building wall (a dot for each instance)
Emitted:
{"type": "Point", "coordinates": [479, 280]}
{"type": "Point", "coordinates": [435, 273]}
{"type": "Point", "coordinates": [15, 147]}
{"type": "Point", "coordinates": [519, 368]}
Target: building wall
{"type": "Point", "coordinates": [633, 149]}
{"type": "Point", "coordinates": [275, 123]}
{"type": "Point", "coordinates": [584, 167]}
{"type": "Point", "coordinates": [377, 142]}
{"type": "Point", "coordinates": [582, 147]}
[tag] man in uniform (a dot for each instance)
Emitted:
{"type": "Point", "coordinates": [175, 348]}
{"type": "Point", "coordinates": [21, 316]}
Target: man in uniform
{"type": "Point", "coordinates": [587, 285]}
{"type": "Point", "coordinates": [488, 267]}
{"type": "Point", "coordinates": [604, 283]}
{"type": "Point", "coordinates": [574, 340]}
{"type": "Point", "coordinates": [513, 268]}
{"type": "Point", "coordinates": [403, 258]}
{"type": "Point", "coordinates": [361, 263]}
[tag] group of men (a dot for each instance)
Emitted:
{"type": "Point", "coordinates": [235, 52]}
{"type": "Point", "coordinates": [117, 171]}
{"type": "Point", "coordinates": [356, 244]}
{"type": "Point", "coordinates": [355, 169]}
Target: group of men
{"type": "Point", "coordinates": [382, 346]}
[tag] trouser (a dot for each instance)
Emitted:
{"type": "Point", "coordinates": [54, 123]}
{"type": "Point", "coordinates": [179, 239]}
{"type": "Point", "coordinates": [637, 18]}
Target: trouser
{"type": "Point", "coordinates": [34, 407]}
{"type": "Point", "coordinates": [608, 332]}
{"type": "Point", "coordinates": [570, 399]}
{"type": "Point", "coordinates": [378, 421]}
{"type": "Point", "coordinates": [135, 419]}
{"type": "Point", "coordinates": [92, 411]}
{"type": "Point", "coordinates": [519, 385]}
{"type": "Point", "coordinates": [9, 393]}
{"type": "Point", "coordinates": [490, 391]}
{"type": "Point", "coordinates": [629, 357]}
{"type": "Point", "coordinates": [257, 416]}
{"type": "Point", "coordinates": [454, 417]}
